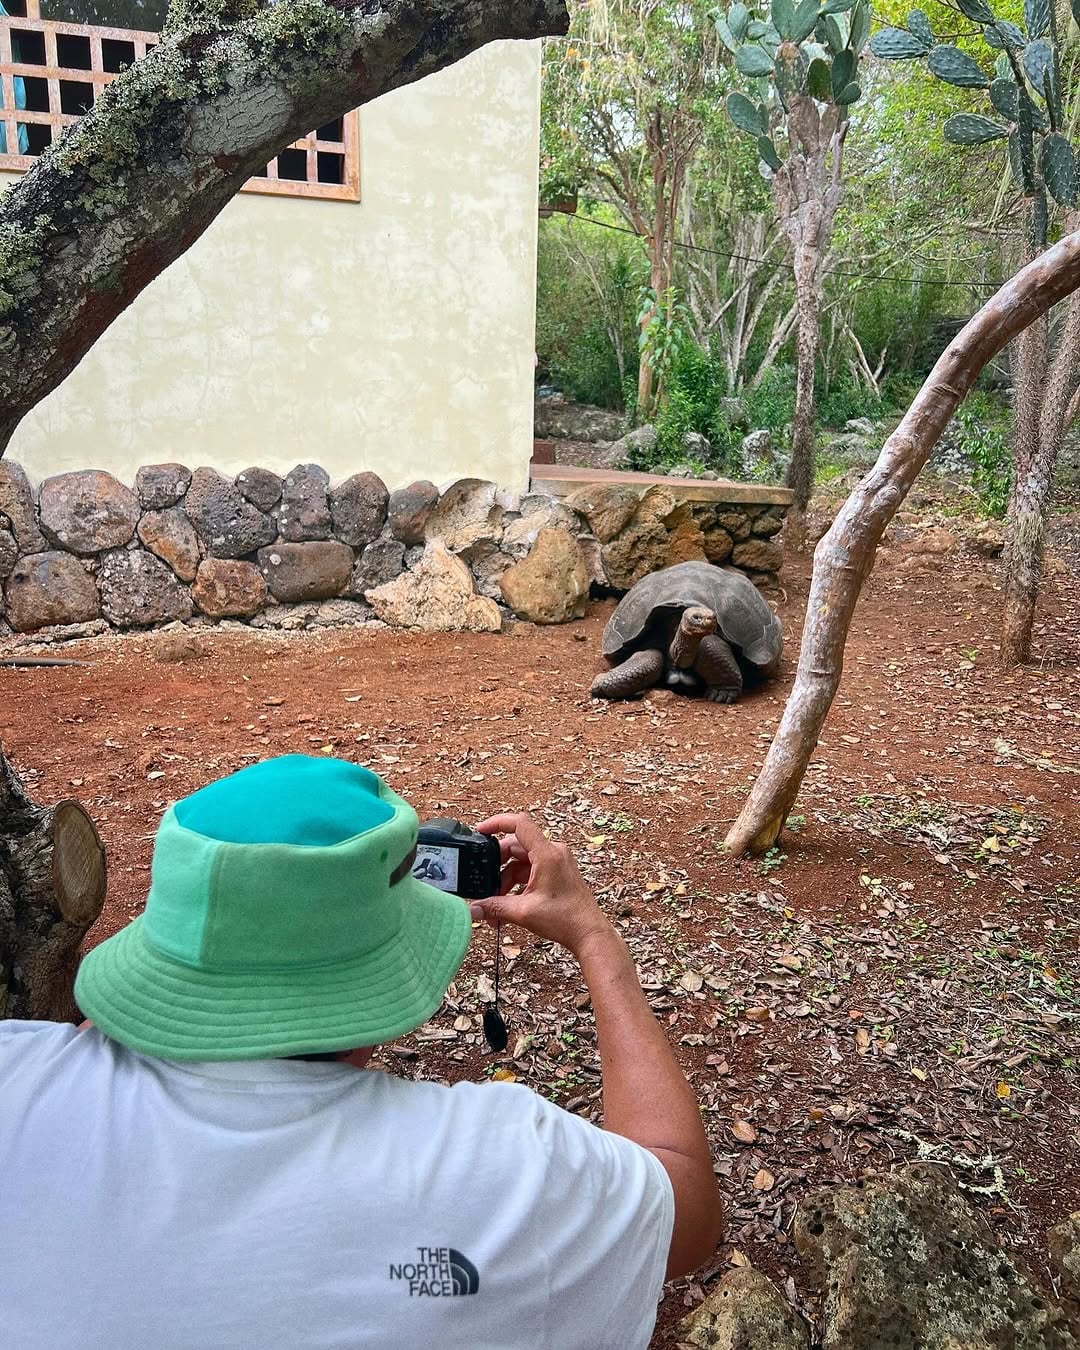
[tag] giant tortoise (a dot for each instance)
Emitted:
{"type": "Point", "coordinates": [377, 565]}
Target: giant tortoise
{"type": "Point", "coordinates": [697, 628]}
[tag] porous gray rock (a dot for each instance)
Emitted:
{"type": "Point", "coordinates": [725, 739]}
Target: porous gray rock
{"type": "Point", "coordinates": [17, 502]}
{"type": "Point", "coordinates": [1064, 1242]}
{"type": "Point", "coordinates": [304, 512]}
{"type": "Point", "coordinates": [226, 588]}
{"type": "Point", "coordinates": [72, 632]}
{"type": "Point", "coordinates": [9, 551]}
{"type": "Point", "coordinates": [358, 508]}
{"type": "Point", "coordinates": [49, 588]}
{"type": "Point", "coordinates": [317, 570]}
{"type": "Point", "coordinates": [551, 585]}
{"type": "Point", "coordinates": [766, 582]}
{"type": "Point", "coordinates": [380, 562]}
{"type": "Point", "coordinates": [988, 539]}
{"type": "Point", "coordinates": [643, 545]}
{"type": "Point", "coordinates": [341, 614]}
{"type": "Point", "coordinates": [608, 507]}
{"type": "Point", "coordinates": [261, 487]}
{"type": "Point", "coordinates": [487, 563]}
{"type": "Point", "coordinates": [176, 643]}
{"type": "Point", "coordinates": [758, 453]}
{"type": "Point", "coordinates": [905, 1263]}
{"type": "Point", "coordinates": [87, 512]}
{"type": "Point", "coordinates": [745, 1311]}
{"type": "Point", "coordinates": [538, 512]}
{"type": "Point", "coordinates": [734, 521]}
{"type": "Point", "coordinates": [288, 618]}
{"type": "Point", "coordinates": [437, 596]}
{"type": "Point", "coordinates": [560, 418]}
{"type": "Point", "coordinates": [769, 522]}
{"type": "Point", "coordinates": [469, 512]}
{"type": "Point", "coordinates": [170, 535]}
{"type": "Point", "coordinates": [717, 544]}
{"type": "Point", "coordinates": [734, 414]}
{"type": "Point", "coordinates": [159, 486]}
{"type": "Point", "coordinates": [861, 426]}
{"type": "Point", "coordinates": [139, 590]}
{"type": "Point", "coordinates": [758, 555]}
{"type": "Point", "coordinates": [229, 525]}
{"type": "Point", "coordinates": [696, 445]}
{"type": "Point", "coordinates": [638, 444]}
{"type": "Point", "coordinates": [409, 509]}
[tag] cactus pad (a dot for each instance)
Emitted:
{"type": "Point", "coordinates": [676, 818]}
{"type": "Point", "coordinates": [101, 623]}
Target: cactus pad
{"type": "Point", "coordinates": [897, 44]}
{"type": "Point", "coordinates": [1004, 95]}
{"type": "Point", "coordinates": [1058, 164]}
{"type": "Point", "coordinates": [745, 115]}
{"type": "Point", "coordinates": [971, 129]}
{"type": "Point", "coordinates": [753, 61]}
{"type": "Point", "coordinates": [956, 67]}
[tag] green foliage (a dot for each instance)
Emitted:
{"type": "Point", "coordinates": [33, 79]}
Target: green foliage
{"type": "Point", "coordinates": [772, 404]}
{"type": "Point", "coordinates": [587, 283]}
{"type": "Point", "coordinates": [662, 330]}
{"type": "Point", "coordinates": [982, 439]}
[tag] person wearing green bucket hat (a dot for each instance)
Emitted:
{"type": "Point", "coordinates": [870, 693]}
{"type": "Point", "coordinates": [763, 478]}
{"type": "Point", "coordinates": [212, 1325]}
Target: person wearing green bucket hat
{"type": "Point", "coordinates": [206, 1167]}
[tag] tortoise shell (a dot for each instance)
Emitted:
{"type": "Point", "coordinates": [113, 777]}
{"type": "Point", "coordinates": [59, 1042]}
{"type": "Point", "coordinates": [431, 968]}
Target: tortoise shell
{"type": "Point", "coordinates": [743, 616]}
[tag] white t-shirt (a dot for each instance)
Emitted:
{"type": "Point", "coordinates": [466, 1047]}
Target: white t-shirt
{"type": "Point", "coordinates": [274, 1203]}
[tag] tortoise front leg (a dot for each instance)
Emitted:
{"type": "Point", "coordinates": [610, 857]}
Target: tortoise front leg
{"type": "Point", "coordinates": [716, 665]}
{"type": "Point", "coordinates": [636, 673]}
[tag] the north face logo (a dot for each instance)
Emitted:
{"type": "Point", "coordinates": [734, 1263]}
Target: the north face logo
{"type": "Point", "coordinates": [438, 1272]}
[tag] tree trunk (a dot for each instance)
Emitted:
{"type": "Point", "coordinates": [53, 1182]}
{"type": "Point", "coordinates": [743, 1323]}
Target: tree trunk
{"type": "Point", "coordinates": [52, 887]}
{"type": "Point", "coordinates": [137, 180]}
{"type": "Point", "coordinates": [1043, 395]}
{"type": "Point", "coordinates": [800, 475]}
{"type": "Point", "coordinates": [845, 555]}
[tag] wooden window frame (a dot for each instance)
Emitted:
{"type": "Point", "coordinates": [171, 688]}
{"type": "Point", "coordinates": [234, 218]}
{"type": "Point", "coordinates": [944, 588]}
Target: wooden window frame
{"type": "Point", "coordinates": [348, 190]}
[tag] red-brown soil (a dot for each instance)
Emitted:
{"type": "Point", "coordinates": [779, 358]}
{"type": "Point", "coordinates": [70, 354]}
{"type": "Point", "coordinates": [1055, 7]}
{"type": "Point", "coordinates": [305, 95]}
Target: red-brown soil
{"type": "Point", "coordinates": [899, 978]}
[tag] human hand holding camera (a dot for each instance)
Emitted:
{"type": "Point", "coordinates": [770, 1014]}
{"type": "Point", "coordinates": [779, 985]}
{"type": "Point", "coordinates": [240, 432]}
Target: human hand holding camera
{"type": "Point", "coordinates": [554, 903]}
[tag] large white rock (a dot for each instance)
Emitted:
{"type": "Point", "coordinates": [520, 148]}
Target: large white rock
{"type": "Point", "coordinates": [437, 596]}
{"type": "Point", "coordinates": [469, 512]}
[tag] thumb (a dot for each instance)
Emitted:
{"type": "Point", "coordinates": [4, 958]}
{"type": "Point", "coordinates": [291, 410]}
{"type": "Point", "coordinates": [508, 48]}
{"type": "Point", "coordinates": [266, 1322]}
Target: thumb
{"type": "Point", "coordinates": [499, 909]}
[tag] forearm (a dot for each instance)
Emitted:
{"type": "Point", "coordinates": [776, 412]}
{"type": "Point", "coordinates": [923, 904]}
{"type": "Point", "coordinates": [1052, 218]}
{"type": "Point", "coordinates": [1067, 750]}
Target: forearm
{"type": "Point", "coordinates": [646, 1095]}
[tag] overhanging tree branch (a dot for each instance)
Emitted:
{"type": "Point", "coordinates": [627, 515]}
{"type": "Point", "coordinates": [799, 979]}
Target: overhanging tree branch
{"type": "Point", "coordinates": [845, 555]}
{"type": "Point", "coordinates": [138, 179]}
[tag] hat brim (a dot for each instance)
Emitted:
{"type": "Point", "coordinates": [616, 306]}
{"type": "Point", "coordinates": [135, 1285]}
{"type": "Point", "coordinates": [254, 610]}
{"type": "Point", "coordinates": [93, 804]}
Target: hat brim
{"type": "Point", "coordinates": [147, 1001]}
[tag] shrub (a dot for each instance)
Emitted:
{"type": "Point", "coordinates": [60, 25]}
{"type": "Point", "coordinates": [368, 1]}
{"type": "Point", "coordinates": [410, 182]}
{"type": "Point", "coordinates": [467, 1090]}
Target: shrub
{"type": "Point", "coordinates": [982, 440]}
{"type": "Point", "coordinates": [573, 329]}
{"type": "Point", "coordinates": [772, 404]}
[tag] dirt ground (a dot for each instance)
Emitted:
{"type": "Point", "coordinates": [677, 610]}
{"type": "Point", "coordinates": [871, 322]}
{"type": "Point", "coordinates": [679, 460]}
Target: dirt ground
{"type": "Point", "coordinates": [898, 979]}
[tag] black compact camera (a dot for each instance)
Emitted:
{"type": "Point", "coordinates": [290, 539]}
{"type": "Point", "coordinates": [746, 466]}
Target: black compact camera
{"type": "Point", "coordinates": [454, 858]}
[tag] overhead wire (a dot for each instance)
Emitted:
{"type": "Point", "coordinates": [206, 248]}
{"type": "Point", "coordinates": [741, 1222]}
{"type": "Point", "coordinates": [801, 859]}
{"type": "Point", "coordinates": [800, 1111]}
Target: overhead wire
{"type": "Point", "coordinates": [765, 262]}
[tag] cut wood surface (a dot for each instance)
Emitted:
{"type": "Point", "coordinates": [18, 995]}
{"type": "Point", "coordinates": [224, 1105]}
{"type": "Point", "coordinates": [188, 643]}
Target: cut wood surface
{"type": "Point", "coordinates": [52, 888]}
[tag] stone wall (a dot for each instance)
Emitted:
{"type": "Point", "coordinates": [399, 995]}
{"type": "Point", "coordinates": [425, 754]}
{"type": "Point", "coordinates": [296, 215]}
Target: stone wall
{"type": "Point", "coordinates": [298, 551]}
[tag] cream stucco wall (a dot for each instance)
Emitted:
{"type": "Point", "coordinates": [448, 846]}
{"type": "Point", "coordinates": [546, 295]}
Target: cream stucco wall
{"type": "Point", "coordinates": [395, 334]}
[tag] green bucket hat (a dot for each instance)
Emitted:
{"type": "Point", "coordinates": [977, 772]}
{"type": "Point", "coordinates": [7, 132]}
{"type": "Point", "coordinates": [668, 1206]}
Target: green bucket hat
{"type": "Point", "coordinates": [282, 919]}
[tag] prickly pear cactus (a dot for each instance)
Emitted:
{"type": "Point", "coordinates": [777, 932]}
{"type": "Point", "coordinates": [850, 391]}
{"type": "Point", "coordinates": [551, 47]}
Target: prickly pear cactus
{"type": "Point", "coordinates": [1024, 92]}
{"type": "Point", "coordinates": [788, 50]}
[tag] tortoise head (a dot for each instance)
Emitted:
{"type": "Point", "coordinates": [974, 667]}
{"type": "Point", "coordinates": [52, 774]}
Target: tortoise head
{"type": "Point", "coordinates": [697, 621]}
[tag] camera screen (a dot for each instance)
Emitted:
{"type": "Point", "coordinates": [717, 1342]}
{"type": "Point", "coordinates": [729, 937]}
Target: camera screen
{"type": "Point", "coordinates": [436, 865]}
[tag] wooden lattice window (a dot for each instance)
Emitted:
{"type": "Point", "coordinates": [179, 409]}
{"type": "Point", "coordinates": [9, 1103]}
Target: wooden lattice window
{"type": "Point", "coordinates": [51, 72]}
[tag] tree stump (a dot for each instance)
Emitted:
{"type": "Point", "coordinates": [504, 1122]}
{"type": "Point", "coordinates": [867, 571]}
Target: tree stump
{"type": "Point", "coordinates": [52, 887]}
